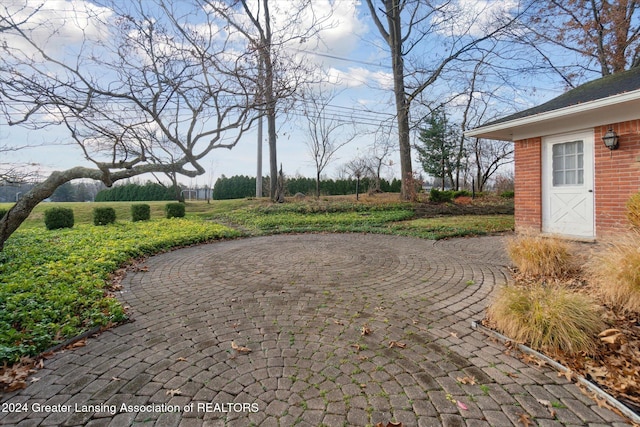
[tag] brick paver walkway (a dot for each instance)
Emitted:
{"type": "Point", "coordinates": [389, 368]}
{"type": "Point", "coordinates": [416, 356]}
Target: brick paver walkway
{"type": "Point", "coordinates": [300, 303]}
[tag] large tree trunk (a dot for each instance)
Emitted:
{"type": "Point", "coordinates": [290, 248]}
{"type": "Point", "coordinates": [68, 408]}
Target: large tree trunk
{"type": "Point", "coordinates": [23, 207]}
{"type": "Point", "coordinates": [402, 105]}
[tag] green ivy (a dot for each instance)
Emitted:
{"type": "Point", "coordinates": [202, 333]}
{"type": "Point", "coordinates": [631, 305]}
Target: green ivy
{"type": "Point", "coordinates": [52, 284]}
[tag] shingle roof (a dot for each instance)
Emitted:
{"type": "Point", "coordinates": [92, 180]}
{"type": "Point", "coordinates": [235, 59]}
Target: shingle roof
{"type": "Point", "coordinates": [604, 87]}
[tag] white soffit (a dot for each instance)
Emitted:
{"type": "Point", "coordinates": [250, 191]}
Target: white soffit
{"type": "Point", "coordinates": [613, 109]}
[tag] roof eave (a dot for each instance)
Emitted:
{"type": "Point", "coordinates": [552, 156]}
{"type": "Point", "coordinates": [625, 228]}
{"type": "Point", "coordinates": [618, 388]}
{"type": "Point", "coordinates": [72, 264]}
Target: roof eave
{"type": "Point", "coordinates": [506, 131]}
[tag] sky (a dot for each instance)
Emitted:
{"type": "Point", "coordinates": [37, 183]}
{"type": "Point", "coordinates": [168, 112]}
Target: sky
{"type": "Point", "coordinates": [350, 52]}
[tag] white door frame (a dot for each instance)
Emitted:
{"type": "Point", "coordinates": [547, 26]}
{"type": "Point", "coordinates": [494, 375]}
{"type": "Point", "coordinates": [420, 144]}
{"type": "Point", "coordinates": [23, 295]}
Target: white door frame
{"type": "Point", "coordinates": [580, 195]}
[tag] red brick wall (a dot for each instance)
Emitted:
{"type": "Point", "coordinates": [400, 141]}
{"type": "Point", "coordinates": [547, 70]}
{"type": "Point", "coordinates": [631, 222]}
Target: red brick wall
{"type": "Point", "coordinates": [617, 176]}
{"type": "Point", "coordinates": [528, 185]}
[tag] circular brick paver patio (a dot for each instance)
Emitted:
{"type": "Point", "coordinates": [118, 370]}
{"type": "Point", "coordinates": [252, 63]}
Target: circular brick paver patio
{"type": "Point", "coordinates": [344, 330]}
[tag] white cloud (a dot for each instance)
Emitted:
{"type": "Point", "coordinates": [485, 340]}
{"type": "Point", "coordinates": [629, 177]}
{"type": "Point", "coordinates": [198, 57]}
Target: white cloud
{"type": "Point", "coordinates": [473, 17]}
{"type": "Point", "coordinates": [55, 24]}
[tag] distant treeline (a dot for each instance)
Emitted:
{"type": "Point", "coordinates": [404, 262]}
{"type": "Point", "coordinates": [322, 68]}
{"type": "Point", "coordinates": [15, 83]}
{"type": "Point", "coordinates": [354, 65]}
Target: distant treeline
{"type": "Point", "coordinates": [240, 186]}
{"type": "Point", "coordinates": [137, 192]}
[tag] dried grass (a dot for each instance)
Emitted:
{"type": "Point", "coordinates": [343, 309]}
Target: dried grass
{"type": "Point", "coordinates": [615, 272]}
{"type": "Point", "coordinates": [547, 318]}
{"type": "Point", "coordinates": [633, 210]}
{"type": "Point", "coordinates": [541, 257]}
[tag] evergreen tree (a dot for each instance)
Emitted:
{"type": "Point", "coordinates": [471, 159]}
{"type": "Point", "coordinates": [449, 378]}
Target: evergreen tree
{"type": "Point", "coordinates": [437, 150]}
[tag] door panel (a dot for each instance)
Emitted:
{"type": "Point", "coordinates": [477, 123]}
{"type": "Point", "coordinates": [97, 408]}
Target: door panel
{"type": "Point", "coordinates": [567, 184]}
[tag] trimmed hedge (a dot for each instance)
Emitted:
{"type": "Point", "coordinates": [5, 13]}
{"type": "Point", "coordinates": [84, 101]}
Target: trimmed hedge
{"type": "Point", "coordinates": [104, 216]}
{"type": "Point", "coordinates": [55, 218]}
{"type": "Point", "coordinates": [174, 210]}
{"type": "Point", "coordinates": [140, 212]}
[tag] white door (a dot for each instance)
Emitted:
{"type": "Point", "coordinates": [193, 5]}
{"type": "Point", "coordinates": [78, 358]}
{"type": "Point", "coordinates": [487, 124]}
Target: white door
{"type": "Point", "coordinates": [567, 184]}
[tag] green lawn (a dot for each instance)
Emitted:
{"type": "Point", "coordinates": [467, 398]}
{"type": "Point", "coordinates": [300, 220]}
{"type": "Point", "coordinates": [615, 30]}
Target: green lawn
{"type": "Point", "coordinates": [54, 284]}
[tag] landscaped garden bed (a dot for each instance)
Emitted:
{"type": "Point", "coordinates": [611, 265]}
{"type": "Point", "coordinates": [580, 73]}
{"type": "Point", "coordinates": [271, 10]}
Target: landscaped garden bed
{"type": "Point", "coordinates": [579, 304]}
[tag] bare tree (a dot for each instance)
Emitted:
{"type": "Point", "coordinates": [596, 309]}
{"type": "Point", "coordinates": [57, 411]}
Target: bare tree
{"type": "Point", "coordinates": [283, 70]}
{"type": "Point", "coordinates": [357, 168]}
{"type": "Point", "coordinates": [378, 158]}
{"type": "Point", "coordinates": [405, 24]}
{"type": "Point", "coordinates": [605, 34]}
{"type": "Point", "coordinates": [143, 82]}
{"type": "Point", "coordinates": [324, 133]}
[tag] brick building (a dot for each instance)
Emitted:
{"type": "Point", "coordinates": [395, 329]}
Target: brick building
{"type": "Point", "coordinates": [568, 182]}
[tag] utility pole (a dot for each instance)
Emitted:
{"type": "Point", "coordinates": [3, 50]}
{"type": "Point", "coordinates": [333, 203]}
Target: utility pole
{"type": "Point", "coordinates": [259, 168]}
{"type": "Point", "coordinates": [259, 160]}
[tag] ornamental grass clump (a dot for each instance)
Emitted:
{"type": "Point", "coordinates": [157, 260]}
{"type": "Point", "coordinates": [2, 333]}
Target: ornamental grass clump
{"type": "Point", "coordinates": [541, 257]}
{"type": "Point", "coordinates": [633, 210]}
{"type": "Point", "coordinates": [615, 272]}
{"type": "Point", "coordinates": [547, 318]}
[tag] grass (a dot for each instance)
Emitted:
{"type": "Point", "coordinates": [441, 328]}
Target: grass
{"type": "Point", "coordinates": [541, 257]}
{"type": "Point", "coordinates": [615, 271]}
{"type": "Point", "coordinates": [547, 318]}
{"type": "Point", "coordinates": [53, 284]}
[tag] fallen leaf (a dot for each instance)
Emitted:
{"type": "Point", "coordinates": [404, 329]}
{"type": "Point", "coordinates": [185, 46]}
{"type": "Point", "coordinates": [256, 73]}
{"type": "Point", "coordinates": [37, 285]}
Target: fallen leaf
{"type": "Point", "coordinates": [511, 374]}
{"type": "Point", "coordinates": [380, 308]}
{"type": "Point", "coordinates": [397, 344]}
{"type": "Point", "coordinates": [454, 334]}
{"type": "Point", "coordinates": [35, 379]}
{"type": "Point", "coordinates": [611, 336]}
{"type": "Point", "coordinates": [544, 402]}
{"type": "Point", "coordinates": [366, 330]}
{"type": "Point", "coordinates": [240, 349]}
{"type": "Point", "coordinates": [462, 406]}
{"type": "Point", "coordinates": [115, 379]}
{"type": "Point", "coordinates": [568, 374]}
{"type": "Point", "coordinates": [174, 392]}
{"type": "Point", "coordinates": [467, 380]}
{"type": "Point", "coordinates": [389, 424]}
{"type": "Point", "coordinates": [450, 398]}
{"type": "Point", "coordinates": [363, 385]}
{"type": "Point", "coordinates": [356, 346]}
{"type": "Point", "coordinates": [338, 322]}
{"type": "Point", "coordinates": [415, 322]}
{"type": "Point", "coordinates": [78, 344]}
{"type": "Point", "coordinates": [363, 358]}
{"type": "Point", "coordinates": [181, 359]}
{"type": "Point", "coordinates": [525, 420]}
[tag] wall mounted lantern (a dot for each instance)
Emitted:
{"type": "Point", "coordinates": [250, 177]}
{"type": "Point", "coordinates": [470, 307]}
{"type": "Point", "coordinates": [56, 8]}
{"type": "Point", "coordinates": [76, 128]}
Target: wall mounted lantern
{"type": "Point", "coordinates": [610, 139]}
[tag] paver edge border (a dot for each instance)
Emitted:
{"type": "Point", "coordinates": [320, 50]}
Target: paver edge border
{"type": "Point", "coordinates": [635, 418]}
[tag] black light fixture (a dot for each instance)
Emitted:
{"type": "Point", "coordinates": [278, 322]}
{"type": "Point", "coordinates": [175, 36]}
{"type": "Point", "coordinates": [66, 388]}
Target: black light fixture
{"type": "Point", "coordinates": [610, 139]}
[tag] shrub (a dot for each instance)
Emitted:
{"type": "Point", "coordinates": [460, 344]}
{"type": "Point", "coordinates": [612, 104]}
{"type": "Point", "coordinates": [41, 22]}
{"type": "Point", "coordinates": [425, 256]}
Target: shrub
{"type": "Point", "coordinates": [140, 212]}
{"type": "Point", "coordinates": [539, 256]}
{"type": "Point", "coordinates": [438, 196]}
{"type": "Point", "coordinates": [462, 193]}
{"type": "Point", "coordinates": [509, 194]}
{"type": "Point", "coordinates": [547, 318]}
{"type": "Point", "coordinates": [615, 270]}
{"type": "Point", "coordinates": [174, 210]}
{"type": "Point", "coordinates": [55, 218]}
{"type": "Point", "coordinates": [104, 216]}
{"type": "Point", "coordinates": [633, 210]}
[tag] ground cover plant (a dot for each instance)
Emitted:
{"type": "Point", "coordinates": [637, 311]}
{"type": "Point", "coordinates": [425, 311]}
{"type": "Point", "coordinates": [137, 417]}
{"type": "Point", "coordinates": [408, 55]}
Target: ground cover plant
{"type": "Point", "coordinates": [53, 283]}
